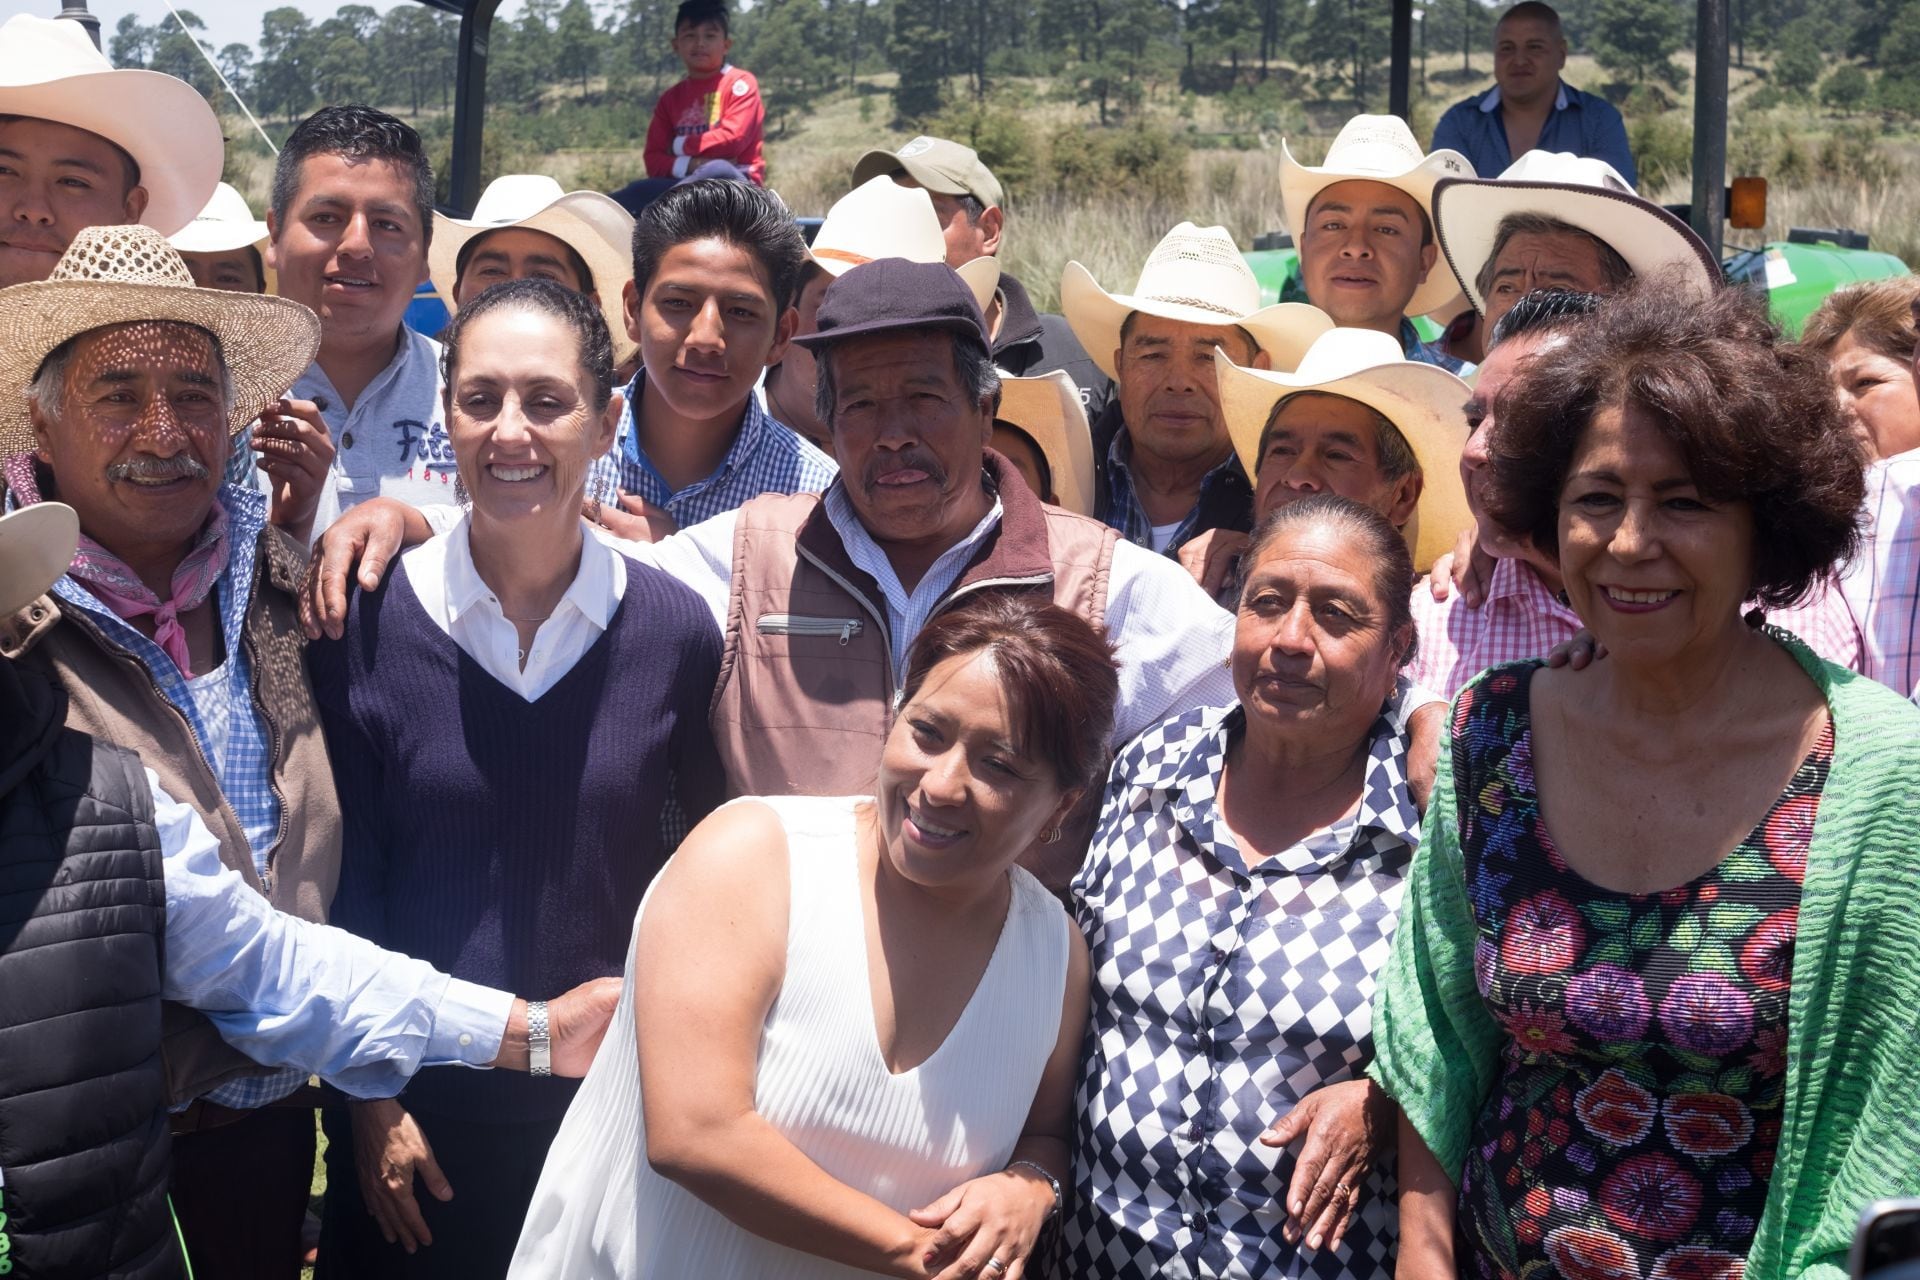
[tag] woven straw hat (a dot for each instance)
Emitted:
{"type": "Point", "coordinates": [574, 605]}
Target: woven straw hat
{"type": "Point", "coordinates": [36, 546]}
{"type": "Point", "coordinates": [1578, 190]}
{"type": "Point", "coordinates": [50, 70]}
{"type": "Point", "coordinates": [882, 219]}
{"type": "Point", "coordinates": [227, 224]}
{"type": "Point", "coordinates": [120, 275]}
{"type": "Point", "coordinates": [1195, 275]}
{"type": "Point", "coordinates": [1048, 409]}
{"type": "Point", "coordinates": [591, 224]}
{"type": "Point", "coordinates": [1376, 149]}
{"type": "Point", "coordinates": [1425, 402]}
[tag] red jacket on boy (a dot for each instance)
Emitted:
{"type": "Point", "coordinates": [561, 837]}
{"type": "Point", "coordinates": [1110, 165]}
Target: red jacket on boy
{"type": "Point", "coordinates": [712, 118]}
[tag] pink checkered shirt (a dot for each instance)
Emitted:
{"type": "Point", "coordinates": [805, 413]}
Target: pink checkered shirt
{"type": "Point", "coordinates": [1522, 619]}
{"type": "Point", "coordinates": [1883, 584]}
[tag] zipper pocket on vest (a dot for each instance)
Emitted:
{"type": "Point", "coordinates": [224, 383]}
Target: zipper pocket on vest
{"type": "Point", "coordinates": [793, 624]}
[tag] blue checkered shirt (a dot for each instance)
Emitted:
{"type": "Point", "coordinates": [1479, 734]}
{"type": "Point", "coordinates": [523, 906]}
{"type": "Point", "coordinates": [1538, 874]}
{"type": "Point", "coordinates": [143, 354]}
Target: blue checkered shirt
{"type": "Point", "coordinates": [245, 768]}
{"type": "Point", "coordinates": [1223, 488]}
{"type": "Point", "coordinates": [1224, 993]}
{"type": "Point", "coordinates": [767, 457]}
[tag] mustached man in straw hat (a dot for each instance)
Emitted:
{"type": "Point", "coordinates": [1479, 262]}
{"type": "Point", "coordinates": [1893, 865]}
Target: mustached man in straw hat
{"type": "Point", "coordinates": [1363, 224]}
{"type": "Point", "coordinates": [169, 630]}
{"type": "Point", "coordinates": [86, 145]}
{"type": "Point", "coordinates": [1556, 221]}
{"type": "Point", "coordinates": [877, 219]}
{"type": "Point", "coordinates": [1167, 468]}
{"type": "Point", "coordinates": [972, 210]}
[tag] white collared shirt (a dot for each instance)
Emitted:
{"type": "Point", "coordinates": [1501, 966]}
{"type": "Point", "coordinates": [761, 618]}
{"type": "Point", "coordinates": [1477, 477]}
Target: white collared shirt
{"type": "Point", "coordinates": [461, 604]}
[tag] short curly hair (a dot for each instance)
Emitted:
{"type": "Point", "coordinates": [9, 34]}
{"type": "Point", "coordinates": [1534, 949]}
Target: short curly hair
{"type": "Point", "coordinates": [1754, 416]}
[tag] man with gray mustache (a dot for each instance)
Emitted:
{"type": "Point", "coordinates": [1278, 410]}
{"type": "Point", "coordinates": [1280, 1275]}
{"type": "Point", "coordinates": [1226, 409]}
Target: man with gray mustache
{"type": "Point", "coordinates": [819, 596]}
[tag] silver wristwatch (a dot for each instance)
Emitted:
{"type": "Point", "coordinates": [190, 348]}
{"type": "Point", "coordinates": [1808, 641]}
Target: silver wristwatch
{"type": "Point", "coordinates": [1059, 1202]}
{"type": "Point", "coordinates": [539, 1040]}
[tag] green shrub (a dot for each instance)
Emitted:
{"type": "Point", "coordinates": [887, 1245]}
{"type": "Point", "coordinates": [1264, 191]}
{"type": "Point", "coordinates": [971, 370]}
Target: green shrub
{"type": "Point", "coordinates": [1662, 149]}
{"type": "Point", "coordinates": [1847, 89]}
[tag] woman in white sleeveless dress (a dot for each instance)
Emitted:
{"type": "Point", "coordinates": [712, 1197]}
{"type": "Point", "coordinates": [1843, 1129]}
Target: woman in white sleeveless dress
{"type": "Point", "coordinates": [851, 1026]}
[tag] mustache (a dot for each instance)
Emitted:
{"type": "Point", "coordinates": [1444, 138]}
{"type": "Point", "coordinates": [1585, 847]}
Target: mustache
{"type": "Point", "coordinates": [179, 467]}
{"type": "Point", "coordinates": [910, 460]}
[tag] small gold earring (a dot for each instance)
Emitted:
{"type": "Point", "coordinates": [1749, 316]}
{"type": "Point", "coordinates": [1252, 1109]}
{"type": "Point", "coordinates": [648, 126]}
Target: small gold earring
{"type": "Point", "coordinates": [1050, 836]}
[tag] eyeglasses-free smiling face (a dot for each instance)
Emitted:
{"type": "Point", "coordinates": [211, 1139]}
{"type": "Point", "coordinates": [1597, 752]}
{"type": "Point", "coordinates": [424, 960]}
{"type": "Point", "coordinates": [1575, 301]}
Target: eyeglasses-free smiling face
{"type": "Point", "coordinates": [1363, 253]}
{"type": "Point", "coordinates": [55, 181]}
{"type": "Point", "coordinates": [707, 325]}
{"type": "Point", "coordinates": [1655, 568]}
{"type": "Point", "coordinates": [960, 796]}
{"type": "Point", "coordinates": [517, 253]}
{"type": "Point", "coordinates": [351, 247]}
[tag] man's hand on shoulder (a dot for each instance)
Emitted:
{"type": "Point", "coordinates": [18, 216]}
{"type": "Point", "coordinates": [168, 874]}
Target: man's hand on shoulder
{"type": "Point", "coordinates": [366, 538]}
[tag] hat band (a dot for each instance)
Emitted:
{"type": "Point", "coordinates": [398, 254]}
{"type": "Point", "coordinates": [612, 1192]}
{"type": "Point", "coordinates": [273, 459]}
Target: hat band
{"type": "Point", "coordinates": [842, 255]}
{"type": "Point", "coordinates": [1199, 303]}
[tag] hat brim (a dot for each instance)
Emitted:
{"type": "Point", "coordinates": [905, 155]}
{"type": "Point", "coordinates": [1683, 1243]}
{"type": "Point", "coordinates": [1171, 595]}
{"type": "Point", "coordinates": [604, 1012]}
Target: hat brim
{"type": "Point", "coordinates": [1426, 404]}
{"type": "Point", "coordinates": [228, 237]}
{"type": "Point", "coordinates": [1468, 214]}
{"type": "Point", "coordinates": [163, 123]}
{"type": "Point", "coordinates": [815, 342]}
{"type": "Point", "coordinates": [1300, 183]}
{"type": "Point", "coordinates": [1048, 409]}
{"type": "Point", "coordinates": [1284, 331]}
{"type": "Point", "coordinates": [36, 547]}
{"type": "Point", "coordinates": [592, 225]}
{"type": "Point", "coordinates": [981, 276]}
{"type": "Point", "coordinates": [266, 342]}
{"type": "Point", "coordinates": [875, 164]}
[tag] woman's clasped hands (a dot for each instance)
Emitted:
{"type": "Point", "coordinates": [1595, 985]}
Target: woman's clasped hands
{"type": "Point", "coordinates": [986, 1227]}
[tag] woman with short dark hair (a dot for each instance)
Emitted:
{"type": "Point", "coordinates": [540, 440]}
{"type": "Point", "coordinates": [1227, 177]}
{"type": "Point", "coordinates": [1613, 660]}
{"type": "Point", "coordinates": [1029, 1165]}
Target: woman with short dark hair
{"type": "Point", "coordinates": [850, 1027]}
{"type": "Point", "coordinates": [1650, 1011]}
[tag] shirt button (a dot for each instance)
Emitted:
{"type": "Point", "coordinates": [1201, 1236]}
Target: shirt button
{"type": "Point", "coordinates": [346, 440]}
{"type": "Point", "coordinates": [465, 1041]}
{"type": "Point", "coordinates": [1219, 955]}
{"type": "Point", "coordinates": [1198, 1221]}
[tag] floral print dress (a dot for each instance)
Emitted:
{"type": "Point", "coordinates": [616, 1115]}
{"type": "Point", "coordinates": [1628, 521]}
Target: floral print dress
{"type": "Point", "coordinates": [1630, 1134]}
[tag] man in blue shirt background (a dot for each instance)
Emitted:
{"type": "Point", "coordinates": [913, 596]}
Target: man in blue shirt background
{"type": "Point", "coordinates": [1529, 105]}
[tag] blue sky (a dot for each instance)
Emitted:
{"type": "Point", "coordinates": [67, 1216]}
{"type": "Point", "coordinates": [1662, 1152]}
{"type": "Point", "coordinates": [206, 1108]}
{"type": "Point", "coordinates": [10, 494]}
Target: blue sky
{"type": "Point", "coordinates": [227, 20]}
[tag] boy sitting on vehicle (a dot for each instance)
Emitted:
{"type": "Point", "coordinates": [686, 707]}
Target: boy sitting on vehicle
{"type": "Point", "coordinates": [709, 125]}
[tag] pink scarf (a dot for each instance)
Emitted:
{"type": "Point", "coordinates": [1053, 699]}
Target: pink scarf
{"type": "Point", "coordinates": [118, 587]}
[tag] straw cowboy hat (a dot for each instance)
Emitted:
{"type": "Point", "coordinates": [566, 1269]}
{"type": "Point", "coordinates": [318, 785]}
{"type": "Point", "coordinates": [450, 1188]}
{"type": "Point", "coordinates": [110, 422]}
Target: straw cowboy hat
{"type": "Point", "coordinates": [121, 275]}
{"type": "Point", "coordinates": [50, 70]}
{"type": "Point", "coordinates": [224, 226]}
{"type": "Point", "coordinates": [36, 546]}
{"type": "Point", "coordinates": [1048, 409]}
{"type": "Point", "coordinates": [591, 224]}
{"type": "Point", "coordinates": [1426, 404]}
{"type": "Point", "coordinates": [1195, 275]}
{"type": "Point", "coordinates": [1577, 190]}
{"type": "Point", "coordinates": [1375, 149]}
{"type": "Point", "coordinates": [882, 219]}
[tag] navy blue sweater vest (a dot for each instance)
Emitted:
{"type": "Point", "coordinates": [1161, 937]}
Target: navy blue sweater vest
{"type": "Point", "coordinates": [509, 842]}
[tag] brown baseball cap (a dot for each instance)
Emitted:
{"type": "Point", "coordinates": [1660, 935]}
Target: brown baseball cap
{"type": "Point", "coordinates": [936, 164]}
{"type": "Point", "coordinates": [892, 294]}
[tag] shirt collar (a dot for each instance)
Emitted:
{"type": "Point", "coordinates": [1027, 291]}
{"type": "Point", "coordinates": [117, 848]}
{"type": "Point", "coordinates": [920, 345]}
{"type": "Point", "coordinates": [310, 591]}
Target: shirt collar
{"type": "Point", "coordinates": [590, 593]}
{"type": "Point", "coordinates": [867, 553]}
{"type": "Point", "coordinates": [1120, 457]}
{"type": "Point", "coordinates": [1191, 777]}
{"type": "Point", "coordinates": [746, 441]}
{"type": "Point", "coordinates": [1517, 580]}
{"type": "Point", "coordinates": [1490, 101]}
{"type": "Point", "coordinates": [413, 347]}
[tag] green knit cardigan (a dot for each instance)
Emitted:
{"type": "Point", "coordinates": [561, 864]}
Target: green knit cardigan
{"type": "Point", "coordinates": [1851, 1125]}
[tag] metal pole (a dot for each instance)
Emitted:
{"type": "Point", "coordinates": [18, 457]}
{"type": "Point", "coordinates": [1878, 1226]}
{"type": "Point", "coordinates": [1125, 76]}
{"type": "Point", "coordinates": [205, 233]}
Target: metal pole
{"type": "Point", "coordinates": [1399, 101]}
{"type": "Point", "coordinates": [77, 11]}
{"type": "Point", "coordinates": [469, 106]}
{"type": "Point", "coordinates": [1710, 123]}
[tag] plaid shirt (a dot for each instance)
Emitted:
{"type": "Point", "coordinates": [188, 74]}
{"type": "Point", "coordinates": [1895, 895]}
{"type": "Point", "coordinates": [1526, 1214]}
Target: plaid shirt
{"type": "Point", "coordinates": [1429, 352]}
{"type": "Point", "coordinates": [1882, 586]}
{"type": "Point", "coordinates": [1522, 619]}
{"type": "Point", "coordinates": [767, 456]}
{"type": "Point", "coordinates": [1226, 498]}
{"type": "Point", "coordinates": [245, 768]}
{"type": "Point", "coordinates": [1225, 993]}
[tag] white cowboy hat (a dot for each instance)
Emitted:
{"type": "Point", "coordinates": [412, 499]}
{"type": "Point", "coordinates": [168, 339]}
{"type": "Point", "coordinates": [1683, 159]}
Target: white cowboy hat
{"type": "Point", "coordinates": [591, 224]}
{"type": "Point", "coordinates": [1375, 149]}
{"type": "Point", "coordinates": [882, 219]}
{"type": "Point", "coordinates": [50, 70]}
{"type": "Point", "coordinates": [36, 546]}
{"type": "Point", "coordinates": [1425, 403]}
{"type": "Point", "coordinates": [1048, 409]}
{"type": "Point", "coordinates": [1582, 192]}
{"type": "Point", "coordinates": [121, 275]}
{"type": "Point", "coordinates": [225, 225]}
{"type": "Point", "coordinates": [1195, 275]}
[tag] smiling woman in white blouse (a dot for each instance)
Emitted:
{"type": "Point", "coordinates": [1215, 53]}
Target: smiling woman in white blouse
{"type": "Point", "coordinates": [510, 718]}
{"type": "Point", "coordinates": [1238, 901]}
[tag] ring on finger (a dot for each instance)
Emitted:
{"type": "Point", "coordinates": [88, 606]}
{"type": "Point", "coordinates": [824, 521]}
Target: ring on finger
{"type": "Point", "coordinates": [994, 1267]}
